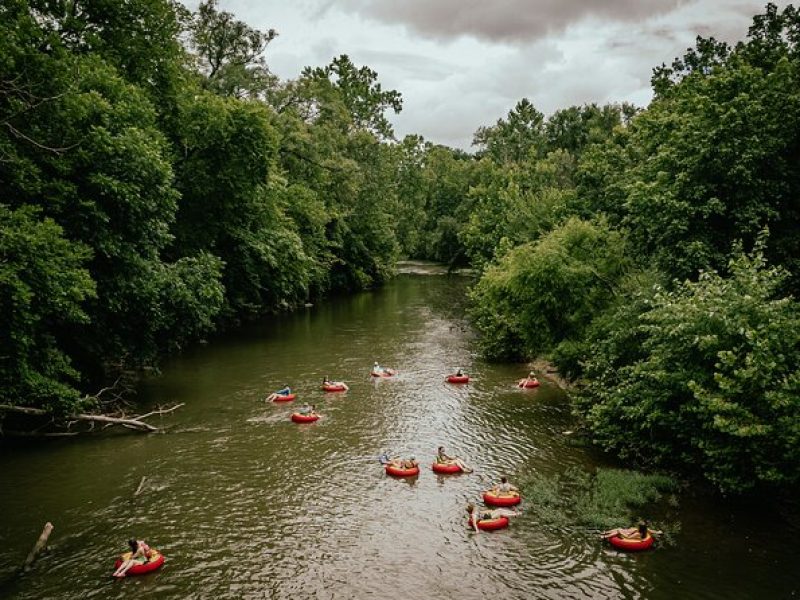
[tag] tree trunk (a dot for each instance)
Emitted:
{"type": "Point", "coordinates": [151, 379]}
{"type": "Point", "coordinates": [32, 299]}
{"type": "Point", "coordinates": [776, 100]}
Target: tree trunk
{"type": "Point", "coordinates": [135, 422]}
{"type": "Point", "coordinates": [40, 544]}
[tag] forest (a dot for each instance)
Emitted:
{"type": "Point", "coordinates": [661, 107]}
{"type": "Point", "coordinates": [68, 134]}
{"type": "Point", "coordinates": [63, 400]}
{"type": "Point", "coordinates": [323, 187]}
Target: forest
{"type": "Point", "coordinates": [158, 183]}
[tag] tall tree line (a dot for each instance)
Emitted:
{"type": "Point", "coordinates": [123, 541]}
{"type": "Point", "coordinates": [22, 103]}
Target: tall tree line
{"type": "Point", "coordinates": [158, 182]}
{"type": "Point", "coordinates": [653, 256]}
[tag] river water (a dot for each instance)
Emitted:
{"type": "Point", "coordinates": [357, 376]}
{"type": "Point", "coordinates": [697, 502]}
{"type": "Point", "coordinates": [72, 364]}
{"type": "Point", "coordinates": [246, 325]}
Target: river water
{"type": "Point", "coordinates": [246, 504]}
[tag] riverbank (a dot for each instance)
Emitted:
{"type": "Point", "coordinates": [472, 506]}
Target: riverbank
{"type": "Point", "coordinates": [547, 370]}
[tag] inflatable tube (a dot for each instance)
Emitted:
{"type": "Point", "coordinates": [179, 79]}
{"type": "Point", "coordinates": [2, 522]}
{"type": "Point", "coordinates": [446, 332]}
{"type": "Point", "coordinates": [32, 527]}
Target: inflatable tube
{"type": "Point", "coordinates": [524, 383]}
{"type": "Point", "coordinates": [491, 524]}
{"type": "Point", "coordinates": [629, 545]}
{"type": "Point", "coordinates": [334, 387]}
{"type": "Point", "coordinates": [493, 499]}
{"type": "Point", "coordinates": [382, 374]}
{"type": "Point", "coordinates": [156, 560]}
{"type": "Point", "coordinates": [398, 472]}
{"type": "Point", "coordinates": [445, 469]}
{"type": "Point", "coordinates": [285, 397]}
{"type": "Point", "coordinates": [458, 379]}
{"type": "Point", "coordinates": [301, 418]}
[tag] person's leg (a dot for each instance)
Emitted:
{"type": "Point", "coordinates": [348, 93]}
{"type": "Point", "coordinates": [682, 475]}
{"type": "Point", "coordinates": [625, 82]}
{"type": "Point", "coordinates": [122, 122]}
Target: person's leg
{"type": "Point", "coordinates": [123, 568]}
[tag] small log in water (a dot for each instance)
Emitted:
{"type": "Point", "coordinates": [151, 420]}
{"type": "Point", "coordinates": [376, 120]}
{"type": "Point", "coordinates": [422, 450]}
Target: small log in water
{"type": "Point", "coordinates": [141, 485]}
{"type": "Point", "coordinates": [39, 546]}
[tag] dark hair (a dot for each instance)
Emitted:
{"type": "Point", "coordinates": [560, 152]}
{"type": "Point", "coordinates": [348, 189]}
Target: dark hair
{"type": "Point", "coordinates": [643, 528]}
{"type": "Point", "coordinates": [440, 449]}
{"type": "Point", "coordinates": [503, 479]}
{"type": "Point", "coordinates": [133, 544]}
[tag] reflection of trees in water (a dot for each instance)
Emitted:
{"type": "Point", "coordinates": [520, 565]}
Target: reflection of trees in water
{"type": "Point", "coordinates": [446, 295]}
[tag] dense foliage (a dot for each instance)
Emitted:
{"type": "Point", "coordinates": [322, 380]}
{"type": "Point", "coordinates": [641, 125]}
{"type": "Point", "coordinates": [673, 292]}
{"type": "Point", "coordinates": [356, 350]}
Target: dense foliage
{"type": "Point", "coordinates": [183, 186]}
{"type": "Point", "coordinates": [705, 375]}
{"type": "Point", "coordinates": [543, 293]}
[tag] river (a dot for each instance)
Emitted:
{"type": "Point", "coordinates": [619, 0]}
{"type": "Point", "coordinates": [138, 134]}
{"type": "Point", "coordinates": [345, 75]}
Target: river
{"type": "Point", "coordinates": [246, 504]}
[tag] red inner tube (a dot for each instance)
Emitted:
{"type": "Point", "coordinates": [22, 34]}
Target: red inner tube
{"type": "Point", "coordinates": [631, 545]}
{"type": "Point", "coordinates": [300, 418]}
{"type": "Point", "coordinates": [397, 472]}
{"type": "Point", "coordinates": [285, 397]}
{"type": "Point", "coordinates": [334, 388]}
{"type": "Point", "coordinates": [494, 500]}
{"type": "Point", "coordinates": [491, 524]}
{"type": "Point", "coordinates": [147, 567]}
{"type": "Point", "coordinates": [524, 383]}
{"type": "Point", "coordinates": [445, 468]}
{"type": "Point", "coordinates": [458, 378]}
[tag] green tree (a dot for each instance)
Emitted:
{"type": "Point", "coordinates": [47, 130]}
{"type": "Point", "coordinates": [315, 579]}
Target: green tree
{"type": "Point", "coordinates": [548, 292]}
{"type": "Point", "coordinates": [714, 158]}
{"type": "Point", "coordinates": [345, 88]}
{"type": "Point", "coordinates": [704, 378]}
{"type": "Point", "coordinates": [230, 206]}
{"type": "Point", "coordinates": [230, 53]}
{"type": "Point", "coordinates": [515, 203]}
{"type": "Point", "coordinates": [517, 137]}
{"type": "Point", "coordinates": [43, 286]}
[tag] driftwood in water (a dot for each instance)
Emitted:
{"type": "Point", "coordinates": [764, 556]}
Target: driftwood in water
{"type": "Point", "coordinates": [135, 422]}
{"type": "Point", "coordinates": [38, 546]}
{"type": "Point", "coordinates": [141, 485]}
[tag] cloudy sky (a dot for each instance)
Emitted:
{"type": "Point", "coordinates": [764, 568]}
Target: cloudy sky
{"type": "Point", "coordinates": [460, 64]}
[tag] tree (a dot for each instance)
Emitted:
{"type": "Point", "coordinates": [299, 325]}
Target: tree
{"type": "Point", "coordinates": [357, 91]}
{"type": "Point", "coordinates": [515, 203]}
{"type": "Point", "coordinates": [43, 286]}
{"type": "Point", "coordinates": [230, 52]}
{"type": "Point", "coordinates": [230, 206]}
{"type": "Point", "coordinates": [706, 379]}
{"type": "Point", "coordinates": [516, 138]}
{"type": "Point", "coordinates": [715, 157]}
{"type": "Point", "coordinates": [544, 293]}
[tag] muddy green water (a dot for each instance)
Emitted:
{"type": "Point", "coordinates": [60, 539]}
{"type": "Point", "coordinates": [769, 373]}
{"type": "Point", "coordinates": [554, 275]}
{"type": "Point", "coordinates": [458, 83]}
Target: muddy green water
{"type": "Point", "coordinates": [246, 504]}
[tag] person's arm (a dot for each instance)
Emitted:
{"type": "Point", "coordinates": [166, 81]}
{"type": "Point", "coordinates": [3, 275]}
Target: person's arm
{"type": "Point", "coordinates": [474, 519]}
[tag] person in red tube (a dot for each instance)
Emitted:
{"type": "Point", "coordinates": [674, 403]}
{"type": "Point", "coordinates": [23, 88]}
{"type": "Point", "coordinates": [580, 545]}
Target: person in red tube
{"type": "Point", "coordinates": [140, 554]}
{"type": "Point", "coordinates": [639, 532]}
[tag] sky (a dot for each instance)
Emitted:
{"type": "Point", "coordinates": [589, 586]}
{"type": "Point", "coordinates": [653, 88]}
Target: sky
{"type": "Point", "coordinates": [461, 64]}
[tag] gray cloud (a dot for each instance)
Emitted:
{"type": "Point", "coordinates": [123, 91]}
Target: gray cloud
{"type": "Point", "coordinates": [461, 64]}
{"type": "Point", "coordinates": [511, 21]}
{"type": "Point", "coordinates": [409, 65]}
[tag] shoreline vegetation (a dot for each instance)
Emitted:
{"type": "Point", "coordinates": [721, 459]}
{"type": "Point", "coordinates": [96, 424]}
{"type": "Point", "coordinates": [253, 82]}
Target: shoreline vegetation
{"type": "Point", "coordinates": [160, 184]}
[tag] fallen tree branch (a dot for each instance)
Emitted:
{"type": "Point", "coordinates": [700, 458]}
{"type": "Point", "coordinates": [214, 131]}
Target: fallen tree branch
{"type": "Point", "coordinates": [38, 546]}
{"type": "Point", "coordinates": [160, 411]}
{"type": "Point", "coordinates": [135, 422]}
